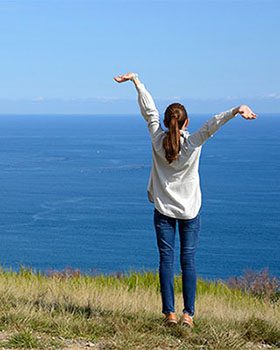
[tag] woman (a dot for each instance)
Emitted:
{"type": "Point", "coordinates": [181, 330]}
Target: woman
{"type": "Point", "coordinates": [175, 191]}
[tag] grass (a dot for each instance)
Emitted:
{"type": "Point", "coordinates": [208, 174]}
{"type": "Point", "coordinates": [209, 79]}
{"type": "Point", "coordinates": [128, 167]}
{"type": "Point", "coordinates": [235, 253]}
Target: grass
{"type": "Point", "coordinates": [124, 311]}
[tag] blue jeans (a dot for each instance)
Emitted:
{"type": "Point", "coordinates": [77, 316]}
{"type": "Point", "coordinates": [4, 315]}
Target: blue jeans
{"type": "Point", "coordinates": [189, 232]}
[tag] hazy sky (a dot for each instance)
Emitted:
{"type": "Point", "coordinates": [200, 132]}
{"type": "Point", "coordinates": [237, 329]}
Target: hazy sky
{"type": "Point", "coordinates": [60, 56]}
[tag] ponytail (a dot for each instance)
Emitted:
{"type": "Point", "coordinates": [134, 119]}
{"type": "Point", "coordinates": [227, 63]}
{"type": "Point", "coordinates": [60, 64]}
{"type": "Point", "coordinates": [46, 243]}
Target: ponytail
{"type": "Point", "coordinates": [171, 142]}
{"type": "Point", "coordinates": [175, 117]}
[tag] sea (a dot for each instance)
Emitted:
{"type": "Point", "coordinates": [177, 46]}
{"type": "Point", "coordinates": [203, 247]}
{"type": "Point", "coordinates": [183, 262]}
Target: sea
{"type": "Point", "coordinates": [73, 195]}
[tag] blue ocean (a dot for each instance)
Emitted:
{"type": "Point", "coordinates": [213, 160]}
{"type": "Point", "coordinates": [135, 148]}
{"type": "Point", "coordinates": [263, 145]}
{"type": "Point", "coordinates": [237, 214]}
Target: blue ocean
{"type": "Point", "coordinates": [73, 193]}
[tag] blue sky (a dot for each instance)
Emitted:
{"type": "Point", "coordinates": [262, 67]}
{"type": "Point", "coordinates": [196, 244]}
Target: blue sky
{"type": "Point", "coordinates": [60, 56]}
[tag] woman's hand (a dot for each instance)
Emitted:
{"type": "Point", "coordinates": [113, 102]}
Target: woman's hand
{"type": "Point", "coordinates": [125, 77]}
{"type": "Point", "coordinates": [245, 112]}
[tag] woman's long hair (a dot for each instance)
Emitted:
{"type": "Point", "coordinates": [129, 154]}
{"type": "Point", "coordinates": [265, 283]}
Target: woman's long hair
{"type": "Point", "coordinates": [174, 117]}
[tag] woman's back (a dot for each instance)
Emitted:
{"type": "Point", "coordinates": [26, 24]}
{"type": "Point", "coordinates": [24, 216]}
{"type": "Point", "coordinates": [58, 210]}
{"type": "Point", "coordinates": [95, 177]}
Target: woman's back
{"type": "Point", "coordinates": [174, 187]}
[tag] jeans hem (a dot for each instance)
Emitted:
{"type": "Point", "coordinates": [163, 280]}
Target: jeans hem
{"type": "Point", "coordinates": [189, 313]}
{"type": "Point", "coordinates": [168, 312]}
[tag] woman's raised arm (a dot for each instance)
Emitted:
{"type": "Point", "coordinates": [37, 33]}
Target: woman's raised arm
{"type": "Point", "coordinates": [145, 100]}
{"type": "Point", "coordinates": [212, 125]}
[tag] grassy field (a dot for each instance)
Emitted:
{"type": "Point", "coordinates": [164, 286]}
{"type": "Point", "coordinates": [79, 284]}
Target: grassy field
{"type": "Point", "coordinates": [72, 310]}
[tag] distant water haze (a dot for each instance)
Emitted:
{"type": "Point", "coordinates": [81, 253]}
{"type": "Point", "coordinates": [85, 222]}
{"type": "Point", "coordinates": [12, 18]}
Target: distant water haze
{"type": "Point", "coordinates": [73, 193]}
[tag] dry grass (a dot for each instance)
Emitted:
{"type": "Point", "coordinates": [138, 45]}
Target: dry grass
{"type": "Point", "coordinates": [118, 312]}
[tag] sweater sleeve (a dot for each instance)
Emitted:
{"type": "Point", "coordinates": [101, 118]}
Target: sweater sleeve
{"type": "Point", "coordinates": [148, 109]}
{"type": "Point", "coordinates": [209, 128]}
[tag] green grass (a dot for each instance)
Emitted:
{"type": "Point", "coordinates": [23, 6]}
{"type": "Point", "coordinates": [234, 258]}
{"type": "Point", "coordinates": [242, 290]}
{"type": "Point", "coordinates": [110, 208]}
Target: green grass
{"type": "Point", "coordinates": [124, 312]}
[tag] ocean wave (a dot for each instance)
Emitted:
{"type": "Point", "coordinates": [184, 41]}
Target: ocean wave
{"type": "Point", "coordinates": [123, 168]}
{"type": "Point", "coordinates": [51, 207]}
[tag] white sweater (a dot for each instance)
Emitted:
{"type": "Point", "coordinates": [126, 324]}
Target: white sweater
{"type": "Point", "coordinates": [175, 188]}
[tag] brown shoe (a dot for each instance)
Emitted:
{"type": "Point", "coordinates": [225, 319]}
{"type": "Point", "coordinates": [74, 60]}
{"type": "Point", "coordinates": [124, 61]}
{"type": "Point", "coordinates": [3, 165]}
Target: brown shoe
{"type": "Point", "coordinates": [171, 318]}
{"type": "Point", "coordinates": [187, 320]}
